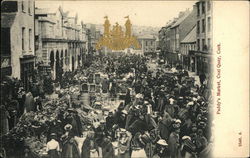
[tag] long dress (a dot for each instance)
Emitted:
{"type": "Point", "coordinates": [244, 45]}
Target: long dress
{"type": "Point", "coordinates": [89, 149]}
{"type": "Point", "coordinates": [53, 154]}
{"type": "Point", "coordinates": [173, 144]}
{"type": "Point", "coordinates": [70, 148]}
{"type": "Point", "coordinates": [107, 149]}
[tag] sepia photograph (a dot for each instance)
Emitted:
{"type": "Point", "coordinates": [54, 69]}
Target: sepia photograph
{"type": "Point", "coordinates": [108, 79]}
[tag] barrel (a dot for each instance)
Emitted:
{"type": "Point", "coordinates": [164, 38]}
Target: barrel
{"type": "Point", "coordinates": [84, 98]}
{"type": "Point", "coordinates": [84, 88]}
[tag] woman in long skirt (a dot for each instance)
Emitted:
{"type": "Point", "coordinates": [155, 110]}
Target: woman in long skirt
{"type": "Point", "coordinates": [89, 147]}
{"type": "Point", "coordinates": [69, 144]}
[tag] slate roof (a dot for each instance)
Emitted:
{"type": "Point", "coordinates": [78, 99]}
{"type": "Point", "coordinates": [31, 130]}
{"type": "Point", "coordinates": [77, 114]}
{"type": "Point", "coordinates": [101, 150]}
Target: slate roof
{"type": "Point", "coordinates": [179, 20]}
{"type": "Point", "coordinates": [191, 36]}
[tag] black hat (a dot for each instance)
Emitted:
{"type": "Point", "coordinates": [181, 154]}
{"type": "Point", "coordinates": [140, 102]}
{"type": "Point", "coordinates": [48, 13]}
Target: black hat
{"type": "Point", "coordinates": [71, 110]}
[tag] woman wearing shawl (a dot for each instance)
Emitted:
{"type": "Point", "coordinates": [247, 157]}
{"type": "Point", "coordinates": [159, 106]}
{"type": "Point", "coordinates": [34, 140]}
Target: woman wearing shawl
{"type": "Point", "coordinates": [89, 147]}
{"type": "Point", "coordinates": [69, 144]}
{"type": "Point", "coordinates": [107, 148]}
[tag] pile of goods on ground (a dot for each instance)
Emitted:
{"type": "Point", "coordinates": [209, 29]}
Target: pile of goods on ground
{"type": "Point", "coordinates": [32, 128]}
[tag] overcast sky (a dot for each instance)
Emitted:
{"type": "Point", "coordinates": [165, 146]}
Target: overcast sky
{"type": "Point", "coordinates": [143, 13]}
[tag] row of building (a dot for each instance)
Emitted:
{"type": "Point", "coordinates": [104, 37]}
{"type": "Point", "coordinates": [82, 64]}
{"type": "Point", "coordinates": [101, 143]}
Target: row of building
{"type": "Point", "coordinates": [187, 39]}
{"type": "Point", "coordinates": [53, 41]}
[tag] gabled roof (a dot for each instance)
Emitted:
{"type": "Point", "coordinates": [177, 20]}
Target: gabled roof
{"type": "Point", "coordinates": [7, 20]}
{"type": "Point", "coordinates": [191, 36]}
{"type": "Point", "coordinates": [179, 20]}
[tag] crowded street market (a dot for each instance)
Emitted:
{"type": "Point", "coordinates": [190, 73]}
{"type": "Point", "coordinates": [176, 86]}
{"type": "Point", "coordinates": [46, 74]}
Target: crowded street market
{"type": "Point", "coordinates": [116, 106]}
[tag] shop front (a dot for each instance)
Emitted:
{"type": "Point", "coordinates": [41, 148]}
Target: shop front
{"type": "Point", "coordinates": [27, 71]}
{"type": "Point", "coordinates": [204, 62]}
{"type": "Point", "coordinates": [186, 62]}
